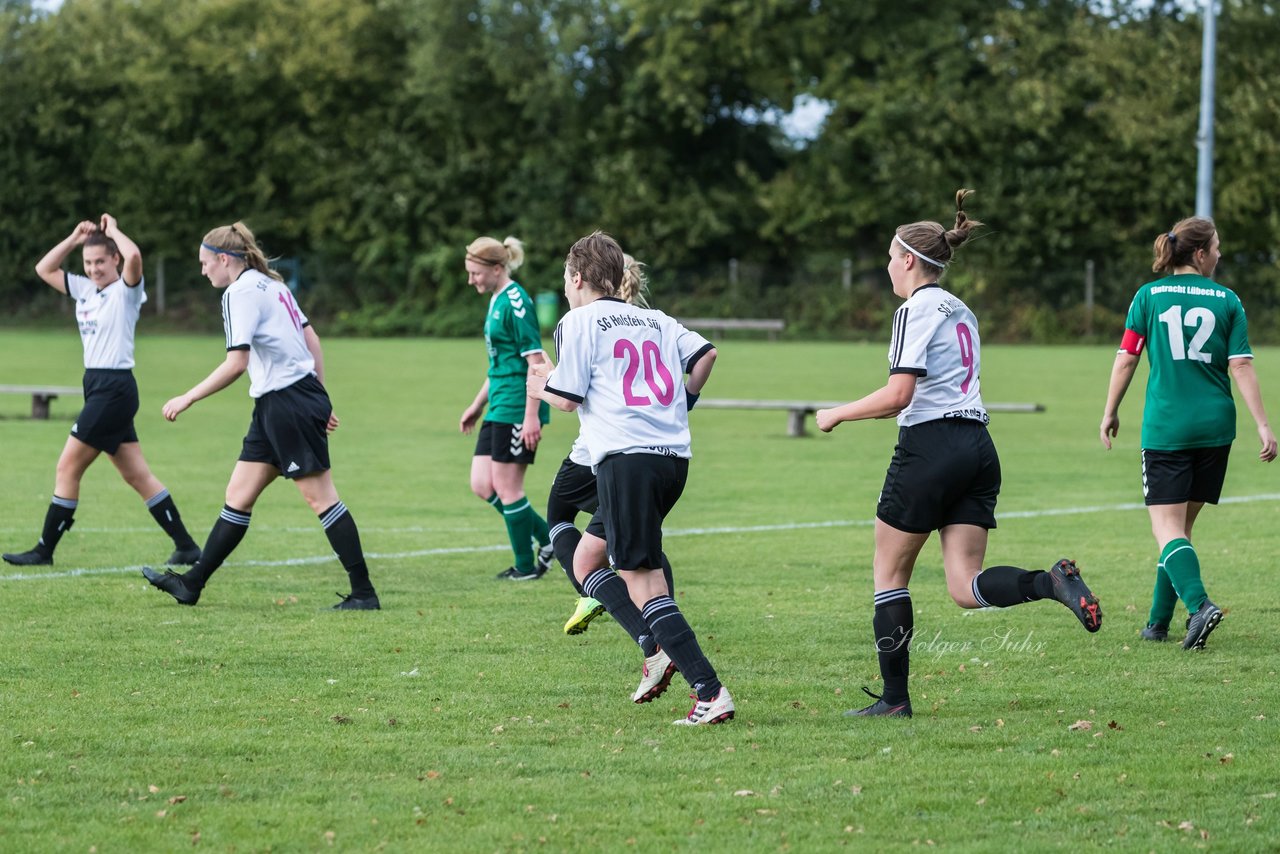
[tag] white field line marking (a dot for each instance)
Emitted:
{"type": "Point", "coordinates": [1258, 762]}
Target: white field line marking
{"type": "Point", "coordinates": [678, 532]}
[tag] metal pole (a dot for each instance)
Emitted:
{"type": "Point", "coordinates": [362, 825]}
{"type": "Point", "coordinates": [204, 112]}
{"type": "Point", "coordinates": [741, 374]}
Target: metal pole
{"type": "Point", "coordinates": [160, 286]}
{"type": "Point", "coordinates": [1204, 139]}
{"type": "Point", "coordinates": [1088, 297]}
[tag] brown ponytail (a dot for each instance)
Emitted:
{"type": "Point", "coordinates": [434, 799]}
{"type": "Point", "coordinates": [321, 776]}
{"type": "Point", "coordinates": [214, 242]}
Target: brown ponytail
{"type": "Point", "coordinates": [1178, 246]}
{"type": "Point", "coordinates": [933, 243]}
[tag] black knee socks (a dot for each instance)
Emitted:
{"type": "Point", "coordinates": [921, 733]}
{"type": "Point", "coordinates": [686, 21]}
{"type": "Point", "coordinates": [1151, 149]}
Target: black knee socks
{"type": "Point", "coordinates": [607, 588]}
{"type": "Point", "coordinates": [894, 624]}
{"type": "Point", "coordinates": [165, 512]}
{"type": "Point", "coordinates": [57, 521]}
{"type": "Point", "coordinates": [1002, 586]}
{"type": "Point", "coordinates": [227, 533]}
{"type": "Point", "coordinates": [344, 537]}
{"type": "Point", "coordinates": [565, 539]}
{"type": "Point", "coordinates": [679, 642]}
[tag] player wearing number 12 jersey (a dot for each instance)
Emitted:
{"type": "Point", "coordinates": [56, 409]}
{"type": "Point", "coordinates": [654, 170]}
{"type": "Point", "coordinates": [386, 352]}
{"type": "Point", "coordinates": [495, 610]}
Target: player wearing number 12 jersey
{"type": "Point", "coordinates": [1196, 338]}
{"type": "Point", "coordinates": [945, 474]}
{"type": "Point", "coordinates": [270, 337]}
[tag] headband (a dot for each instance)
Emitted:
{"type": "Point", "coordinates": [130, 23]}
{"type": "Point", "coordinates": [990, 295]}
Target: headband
{"type": "Point", "coordinates": [230, 252]}
{"type": "Point", "coordinates": [919, 255]}
{"type": "Point", "coordinates": [473, 257]}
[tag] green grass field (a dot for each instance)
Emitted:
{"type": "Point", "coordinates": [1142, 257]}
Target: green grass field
{"type": "Point", "coordinates": [461, 718]}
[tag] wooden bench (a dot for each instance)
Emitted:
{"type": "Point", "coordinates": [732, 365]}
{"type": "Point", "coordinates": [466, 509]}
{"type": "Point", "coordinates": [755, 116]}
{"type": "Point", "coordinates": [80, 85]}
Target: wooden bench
{"type": "Point", "coordinates": [798, 410]}
{"type": "Point", "coordinates": [41, 395]}
{"type": "Point", "coordinates": [772, 326]}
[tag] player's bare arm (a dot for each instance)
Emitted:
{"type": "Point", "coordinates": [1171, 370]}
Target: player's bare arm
{"type": "Point", "coordinates": [49, 268]}
{"type": "Point", "coordinates": [1247, 381]}
{"type": "Point", "coordinates": [1121, 375]}
{"type": "Point", "coordinates": [885, 402]}
{"type": "Point", "coordinates": [471, 415]}
{"type": "Point", "coordinates": [236, 363]}
{"type": "Point", "coordinates": [129, 251]}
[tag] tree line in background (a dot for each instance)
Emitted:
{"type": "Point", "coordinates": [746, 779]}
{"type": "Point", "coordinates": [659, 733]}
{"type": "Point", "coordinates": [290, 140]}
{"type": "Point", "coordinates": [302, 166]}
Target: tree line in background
{"type": "Point", "coordinates": [373, 139]}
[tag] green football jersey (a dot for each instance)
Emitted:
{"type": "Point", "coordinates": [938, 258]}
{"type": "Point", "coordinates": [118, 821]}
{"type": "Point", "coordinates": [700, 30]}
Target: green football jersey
{"type": "Point", "coordinates": [1192, 326]}
{"type": "Point", "coordinates": [510, 334]}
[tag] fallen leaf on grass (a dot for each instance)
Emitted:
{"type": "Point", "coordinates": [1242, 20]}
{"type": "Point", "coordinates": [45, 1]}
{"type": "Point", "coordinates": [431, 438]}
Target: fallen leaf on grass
{"type": "Point", "coordinates": [1082, 726]}
{"type": "Point", "coordinates": [177, 799]}
{"type": "Point", "coordinates": [1114, 725]}
{"type": "Point", "coordinates": [340, 719]}
{"type": "Point", "coordinates": [1227, 758]}
{"type": "Point", "coordinates": [744, 793]}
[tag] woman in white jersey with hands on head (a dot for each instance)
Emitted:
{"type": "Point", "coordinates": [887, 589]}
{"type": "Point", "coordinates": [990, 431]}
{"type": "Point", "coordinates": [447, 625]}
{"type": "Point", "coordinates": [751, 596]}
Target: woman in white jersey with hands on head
{"type": "Point", "coordinates": [108, 298]}
{"type": "Point", "coordinates": [270, 337]}
{"type": "Point", "coordinates": [945, 474]}
{"type": "Point", "coordinates": [620, 368]}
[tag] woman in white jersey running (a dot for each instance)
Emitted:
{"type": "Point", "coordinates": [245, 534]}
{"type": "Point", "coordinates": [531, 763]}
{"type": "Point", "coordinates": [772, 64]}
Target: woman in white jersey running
{"type": "Point", "coordinates": [574, 491]}
{"type": "Point", "coordinates": [270, 337]}
{"type": "Point", "coordinates": [945, 474]}
{"type": "Point", "coordinates": [620, 369]}
{"type": "Point", "coordinates": [108, 298]}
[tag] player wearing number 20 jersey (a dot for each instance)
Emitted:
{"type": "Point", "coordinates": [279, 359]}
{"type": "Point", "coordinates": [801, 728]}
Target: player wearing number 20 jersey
{"type": "Point", "coordinates": [633, 359]}
{"type": "Point", "coordinates": [622, 369]}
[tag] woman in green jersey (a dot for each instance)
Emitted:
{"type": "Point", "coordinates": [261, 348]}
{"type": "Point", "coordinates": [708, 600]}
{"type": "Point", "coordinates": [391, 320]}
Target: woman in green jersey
{"type": "Point", "coordinates": [1196, 338]}
{"type": "Point", "coordinates": [509, 435]}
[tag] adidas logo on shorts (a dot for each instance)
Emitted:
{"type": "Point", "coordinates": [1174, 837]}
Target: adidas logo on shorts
{"type": "Point", "coordinates": [292, 468]}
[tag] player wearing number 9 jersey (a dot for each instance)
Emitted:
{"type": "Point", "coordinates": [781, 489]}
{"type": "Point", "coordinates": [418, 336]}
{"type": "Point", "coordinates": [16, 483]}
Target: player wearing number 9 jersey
{"type": "Point", "coordinates": [620, 367]}
{"type": "Point", "coordinates": [1196, 338]}
{"type": "Point", "coordinates": [270, 337]}
{"type": "Point", "coordinates": [945, 474]}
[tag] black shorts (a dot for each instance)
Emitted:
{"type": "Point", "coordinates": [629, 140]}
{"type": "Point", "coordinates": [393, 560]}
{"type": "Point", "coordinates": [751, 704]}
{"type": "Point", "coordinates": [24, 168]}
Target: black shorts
{"type": "Point", "coordinates": [1175, 477]}
{"type": "Point", "coordinates": [289, 429]}
{"type": "Point", "coordinates": [502, 442]}
{"type": "Point", "coordinates": [636, 491]}
{"type": "Point", "coordinates": [573, 491]}
{"type": "Point", "coordinates": [943, 472]}
{"type": "Point", "coordinates": [110, 402]}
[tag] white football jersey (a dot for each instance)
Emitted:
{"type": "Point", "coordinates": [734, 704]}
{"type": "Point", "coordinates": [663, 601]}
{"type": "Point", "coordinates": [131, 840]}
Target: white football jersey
{"type": "Point", "coordinates": [107, 320]}
{"type": "Point", "coordinates": [579, 453]}
{"type": "Point", "coordinates": [625, 367]}
{"type": "Point", "coordinates": [935, 337]}
{"type": "Point", "coordinates": [260, 315]}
